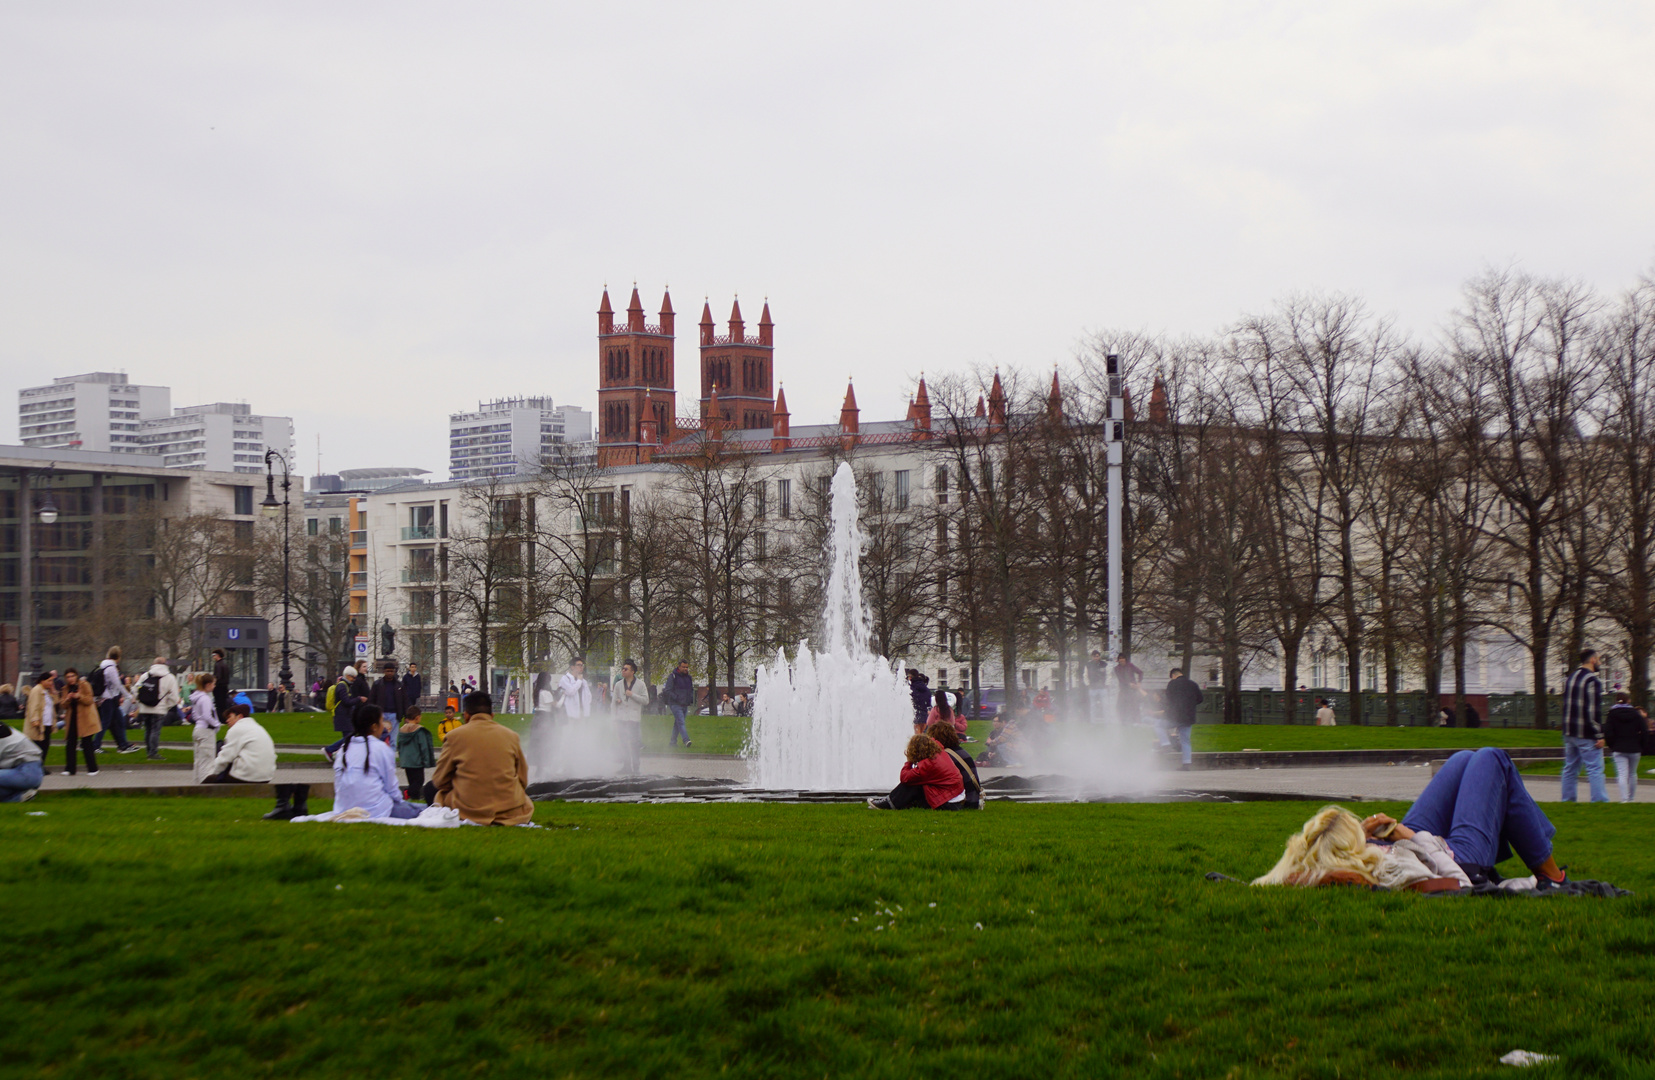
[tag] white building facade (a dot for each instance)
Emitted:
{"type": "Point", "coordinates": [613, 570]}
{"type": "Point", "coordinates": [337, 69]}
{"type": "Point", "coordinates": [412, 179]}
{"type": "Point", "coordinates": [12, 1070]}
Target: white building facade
{"type": "Point", "coordinates": [99, 412]}
{"type": "Point", "coordinates": [221, 437]}
{"type": "Point", "coordinates": [508, 436]}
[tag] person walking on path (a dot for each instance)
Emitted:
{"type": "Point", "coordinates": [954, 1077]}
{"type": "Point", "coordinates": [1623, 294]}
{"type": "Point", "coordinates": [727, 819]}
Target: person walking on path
{"type": "Point", "coordinates": [1182, 697]}
{"type": "Point", "coordinates": [248, 755]}
{"type": "Point", "coordinates": [388, 696]}
{"type": "Point", "coordinates": [1623, 731]}
{"type": "Point", "coordinates": [1583, 730]}
{"type": "Point", "coordinates": [483, 774]}
{"type": "Point", "coordinates": [110, 717]}
{"type": "Point", "coordinates": [157, 694]}
{"type": "Point", "coordinates": [78, 716]}
{"type": "Point", "coordinates": [416, 751]}
{"type": "Point", "coordinates": [1097, 685]}
{"type": "Point", "coordinates": [221, 684]}
{"type": "Point", "coordinates": [345, 702]}
{"type": "Point", "coordinates": [412, 685]}
{"type": "Point", "coordinates": [20, 770]}
{"type": "Point", "coordinates": [574, 693]}
{"type": "Point", "coordinates": [40, 716]}
{"type": "Point", "coordinates": [680, 695]}
{"type": "Point", "coordinates": [204, 732]}
{"type": "Point", "coordinates": [627, 699]}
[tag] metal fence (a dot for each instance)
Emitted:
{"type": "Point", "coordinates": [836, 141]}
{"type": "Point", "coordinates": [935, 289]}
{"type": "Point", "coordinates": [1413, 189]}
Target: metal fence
{"type": "Point", "coordinates": [1413, 709]}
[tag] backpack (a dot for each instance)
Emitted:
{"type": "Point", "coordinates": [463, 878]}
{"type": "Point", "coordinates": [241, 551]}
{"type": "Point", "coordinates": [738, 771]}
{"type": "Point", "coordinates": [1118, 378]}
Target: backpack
{"type": "Point", "coordinates": [98, 682]}
{"type": "Point", "coordinates": [149, 691]}
{"type": "Point", "coordinates": [332, 698]}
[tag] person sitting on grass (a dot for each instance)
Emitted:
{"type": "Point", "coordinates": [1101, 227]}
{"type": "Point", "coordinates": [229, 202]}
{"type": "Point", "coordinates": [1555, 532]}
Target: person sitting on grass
{"type": "Point", "coordinates": [943, 712]}
{"type": "Point", "coordinates": [1004, 745]}
{"type": "Point", "coordinates": [415, 751]}
{"type": "Point", "coordinates": [1474, 813]}
{"type": "Point", "coordinates": [20, 770]}
{"type": "Point", "coordinates": [928, 780]}
{"type": "Point", "coordinates": [365, 770]}
{"type": "Point", "coordinates": [482, 773]}
{"type": "Point", "coordinates": [944, 735]}
{"type": "Point", "coordinates": [248, 755]}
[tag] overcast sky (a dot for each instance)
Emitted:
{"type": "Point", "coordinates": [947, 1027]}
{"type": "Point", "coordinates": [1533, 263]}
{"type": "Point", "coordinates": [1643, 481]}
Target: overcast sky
{"type": "Point", "coordinates": [367, 215]}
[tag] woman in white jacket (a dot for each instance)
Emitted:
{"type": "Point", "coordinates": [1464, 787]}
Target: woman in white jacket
{"type": "Point", "coordinates": [627, 699]}
{"type": "Point", "coordinates": [365, 770]}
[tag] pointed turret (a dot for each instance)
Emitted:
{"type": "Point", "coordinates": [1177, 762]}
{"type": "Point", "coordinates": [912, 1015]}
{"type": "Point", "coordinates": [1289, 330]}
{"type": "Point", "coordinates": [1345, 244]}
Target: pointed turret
{"type": "Point", "coordinates": [706, 323]}
{"type": "Point", "coordinates": [606, 314]}
{"type": "Point", "coordinates": [919, 411]}
{"type": "Point", "coordinates": [666, 313]}
{"type": "Point", "coordinates": [980, 410]}
{"type": "Point", "coordinates": [738, 329]}
{"type": "Point", "coordinates": [1054, 399]}
{"type": "Point", "coordinates": [850, 423]}
{"type": "Point", "coordinates": [996, 404]}
{"type": "Point", "coordinates": [1158, 402]}
{"type": "Point", "coordinates": [635, 312]}
{"type": "Point", "coordinates": [780, 440]}
{"type": "Point", "coordinates": [767, 328]}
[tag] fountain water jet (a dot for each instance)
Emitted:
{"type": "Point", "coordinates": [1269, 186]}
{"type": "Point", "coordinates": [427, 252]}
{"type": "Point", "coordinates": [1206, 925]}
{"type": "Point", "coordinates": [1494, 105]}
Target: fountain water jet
{"type": "Point", "coordinates": [836, 719]}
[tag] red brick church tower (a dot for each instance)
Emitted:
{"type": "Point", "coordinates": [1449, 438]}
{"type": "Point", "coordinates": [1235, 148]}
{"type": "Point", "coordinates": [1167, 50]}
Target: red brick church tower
{"type": "Point", "coordinates": [636, 398]}
{"type": "Point", "coordinates": [740, 368]}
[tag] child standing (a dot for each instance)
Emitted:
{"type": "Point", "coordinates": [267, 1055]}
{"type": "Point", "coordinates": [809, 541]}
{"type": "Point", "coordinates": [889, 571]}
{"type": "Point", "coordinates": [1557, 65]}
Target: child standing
{"type": "Point", "coordinates": [448, 723]}
{"type": "Point", "coordinates": [204, 715]}
{"type": "Point", "coordinates": [415, 752]}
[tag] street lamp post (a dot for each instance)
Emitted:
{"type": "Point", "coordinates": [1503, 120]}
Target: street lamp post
{"type": "Point", "coordinates": [270, 506]}
{"type": "Point", "coordinates": [47, 515]}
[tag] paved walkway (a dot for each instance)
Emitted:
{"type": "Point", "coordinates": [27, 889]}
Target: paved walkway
{"type": "Point", "coordinates": [1347, 783]}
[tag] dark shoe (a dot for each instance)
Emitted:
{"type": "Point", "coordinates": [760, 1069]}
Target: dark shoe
{"type": "Point", "coordinates": [129, 748]}
{"type": "Point", "coordinates": [880, 802]}
{"type": "Point", "coordinates": [686, 743]}
{"type": "Point", "coordinates": [281, 813]}
{"type": "Point", "coordinates": [1542, 883]}
{"type": "Point", "coordinates": [93, 772]}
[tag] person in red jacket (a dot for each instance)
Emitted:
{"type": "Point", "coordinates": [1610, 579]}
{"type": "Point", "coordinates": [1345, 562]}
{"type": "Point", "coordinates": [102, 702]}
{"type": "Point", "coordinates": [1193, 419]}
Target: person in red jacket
{"type": "Point", "coordinates": [929, 780]}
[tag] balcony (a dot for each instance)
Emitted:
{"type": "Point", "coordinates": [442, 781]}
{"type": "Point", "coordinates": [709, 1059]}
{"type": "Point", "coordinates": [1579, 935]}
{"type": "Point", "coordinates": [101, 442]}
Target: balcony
{"type": "Point", "coordinates": [417, 574]}
{"type": "Point", "coordinates": [359, 538]}
{"type": "Point", "coordinates": [419, 532]}
{"type": "Point", "coordinates": [359, 579]}
{"type": "Point", "coordinates": [419, 618]}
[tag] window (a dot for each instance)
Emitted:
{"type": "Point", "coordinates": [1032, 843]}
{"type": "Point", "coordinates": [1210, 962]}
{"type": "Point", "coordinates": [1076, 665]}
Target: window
{"type": "Point", "coordinates": [244, 500]}
{"type": "Point", "coordinates": [784, 497]}
{"type": "Point", "coordinates": [942, 483]}
{"type": "Point", "coordinates": [442, 521]}
{"type": "Point", "coordinates": [336, 525]}
{"type": "Point", "coordinates": [311, 526]}
{"type": "Point", "coordinates": [760, 547]}
{"type": "Point", "coordinates": [900, 486]}
{"type": "Point", "coordinates": [759, 490]}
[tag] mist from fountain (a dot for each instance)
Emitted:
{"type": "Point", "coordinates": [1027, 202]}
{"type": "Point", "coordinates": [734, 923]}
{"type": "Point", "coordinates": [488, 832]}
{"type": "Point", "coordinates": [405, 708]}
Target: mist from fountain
{"type": "Point", "coordinates": [836, 719]}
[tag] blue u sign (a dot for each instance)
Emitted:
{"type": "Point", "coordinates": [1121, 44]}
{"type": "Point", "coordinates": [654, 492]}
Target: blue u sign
{"type": "Point", "coordinates": [233, 632]}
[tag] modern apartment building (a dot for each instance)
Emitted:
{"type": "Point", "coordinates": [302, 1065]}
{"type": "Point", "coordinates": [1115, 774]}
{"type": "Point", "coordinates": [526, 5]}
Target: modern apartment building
{"type": "Point", "coordinates": [514, 435]}
{"type": "Point", "coordinates": [99, 412]}
{"type": "Point", "coordinates": [221, 437]}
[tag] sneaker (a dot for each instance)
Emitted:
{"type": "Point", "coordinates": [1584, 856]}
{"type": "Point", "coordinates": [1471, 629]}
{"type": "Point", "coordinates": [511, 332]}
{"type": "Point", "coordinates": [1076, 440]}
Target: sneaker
{"type": "Point", "coordinates": [686, 743]}
{"type": "Point", "coordinates": [130, 748]}
{"type": "Point", "coordinates": [880, 802]}
{"type": "Point", "coordinates": [27, 795]}
{"type": "Point", "coordinates": [92, 772]}
{"type": "Point", "coordinates": [1542, 883]}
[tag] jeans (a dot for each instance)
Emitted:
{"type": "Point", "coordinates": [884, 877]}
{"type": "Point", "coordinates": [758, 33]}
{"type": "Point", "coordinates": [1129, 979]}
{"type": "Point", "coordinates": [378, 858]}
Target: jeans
{"type": "Point", "coordinates": [1626, 772]}
{"type": "Point", "coordinates": [402, 811]}
{"type": "Point", "coordinates": [1099, 701]}
{"type": "Point", "coordinates": [152, 733]}
{"type": "Point", "coordinates": [678, 728]}
{"type": "Point", "coordinates": [1184, 740]}
{"type": "Point", "coordinates": [1578, 753]}
{"type": "Point", "coordinates": [1477, 802]}
{"type": "Point", "coordinates": [14, 782]}
{"type": "Point", "coordinates": [114, 722]}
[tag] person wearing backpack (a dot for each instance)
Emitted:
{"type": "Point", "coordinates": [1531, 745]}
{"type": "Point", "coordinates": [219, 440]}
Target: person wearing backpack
{"type": "Point", "coordinates": [157, 694]}
{"type": "Point", "coordinates": [105, 681]}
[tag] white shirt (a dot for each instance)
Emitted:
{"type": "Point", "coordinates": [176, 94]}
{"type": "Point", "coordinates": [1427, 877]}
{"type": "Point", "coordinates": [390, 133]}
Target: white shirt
{"type": "Point", "coordinates": [166, 684]}
{"type": "Point", "coordinates": [249, 751]}
{"type": "Point", "coordinates": [577, 696]}
{"type": "Point", "coordinates": [111, 680]}
{"type": "Point", "coordinates": [375, 790]}
{"type": "Point", "coordinates": [203, 712]}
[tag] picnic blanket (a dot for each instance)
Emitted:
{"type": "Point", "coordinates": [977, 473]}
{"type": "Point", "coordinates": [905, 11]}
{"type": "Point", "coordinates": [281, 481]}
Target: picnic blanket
{"type": "Point", "coordinates": [432, 817]}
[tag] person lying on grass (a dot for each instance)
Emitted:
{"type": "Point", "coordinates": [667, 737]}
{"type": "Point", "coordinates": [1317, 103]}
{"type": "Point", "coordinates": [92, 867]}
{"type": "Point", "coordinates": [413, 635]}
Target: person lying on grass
{"type": "Point", "coordinates": [248, 755]}
{"type": "Point", "coordinates": [943, 734]}
{"type": "Point", "coordinates": [482, 773]}
{"type": "Point", "coordinates": [1474, 813]}
{"type": "Point", "coordinates": [929, 779]}
{"type": "Point", "coordinates": [365, 770]}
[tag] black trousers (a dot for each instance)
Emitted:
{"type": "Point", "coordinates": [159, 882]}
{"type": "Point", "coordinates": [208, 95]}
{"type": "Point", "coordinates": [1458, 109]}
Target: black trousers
{"type": "Point", "coordinates": [44, 744]}
{"type": "Point", "coordinates": [416, 781]}
{"type": "Point", "coordinates": [295, 795]}
{"type": "Point", "coordinates": [224, 778]}
{"type": "Point", "coordinates": [71, 736]}
{"type": "Point", "coordinates": [909, 797]}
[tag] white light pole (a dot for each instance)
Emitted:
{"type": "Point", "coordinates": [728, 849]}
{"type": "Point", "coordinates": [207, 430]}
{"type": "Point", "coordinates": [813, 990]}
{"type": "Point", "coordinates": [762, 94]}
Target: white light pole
{"type": "Point", "coordinates": [1116, 449]}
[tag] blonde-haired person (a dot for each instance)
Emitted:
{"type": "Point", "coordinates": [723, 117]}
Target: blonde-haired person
{"type": "Point", "coordinates": [1474, 813]}
{"type": "Point", "coordinates": [928, 780]}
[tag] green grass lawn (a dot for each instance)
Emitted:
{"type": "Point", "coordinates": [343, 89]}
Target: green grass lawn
{"type": "Point", "coordinates": [1215, 737]}
{"type": "Point", "coordinates": [757, 940]}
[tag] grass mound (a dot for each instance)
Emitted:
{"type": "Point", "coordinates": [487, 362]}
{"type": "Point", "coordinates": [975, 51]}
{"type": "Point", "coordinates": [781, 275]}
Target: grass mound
{"type": "Point", "coordinates": [183, 937]}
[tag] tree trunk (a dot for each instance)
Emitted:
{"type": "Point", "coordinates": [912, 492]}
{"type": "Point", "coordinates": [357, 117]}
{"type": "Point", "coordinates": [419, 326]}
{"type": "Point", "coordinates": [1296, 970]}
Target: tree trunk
{"type": "Point", "coordinates": [1290, 676]}
{"type": "Point", "coordinates": [1393, 680]}
{"type": "Point", "coordinates": [1540, 636]}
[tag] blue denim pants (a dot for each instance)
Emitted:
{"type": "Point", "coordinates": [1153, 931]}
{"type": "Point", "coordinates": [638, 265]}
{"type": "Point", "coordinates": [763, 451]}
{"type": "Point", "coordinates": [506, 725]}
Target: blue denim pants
{"type": "Point", "coordinates": [113, 721]}
{"type": "Point", "coordinates": [14, 782]}
{"type": "Point", "coordinates": [1578, 754]}
{"type": "Point", "coordinates": [1477, 802]}
{"type": "Point", "coordinates": [678, 728]}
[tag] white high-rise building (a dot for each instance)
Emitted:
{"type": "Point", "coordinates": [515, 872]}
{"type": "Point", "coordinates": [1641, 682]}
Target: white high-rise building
{"type": "Point", "coordinates": [514, 435]}
{"type": "Point", "coordinates": [221, 437]}
{"type": "Point", "coordinates": [100, 411]}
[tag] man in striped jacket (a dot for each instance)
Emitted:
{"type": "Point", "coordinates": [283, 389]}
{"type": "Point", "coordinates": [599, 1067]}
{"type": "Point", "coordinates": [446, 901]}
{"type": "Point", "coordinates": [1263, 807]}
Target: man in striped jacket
{"type": "Point", "coordinates": [1583, 729]}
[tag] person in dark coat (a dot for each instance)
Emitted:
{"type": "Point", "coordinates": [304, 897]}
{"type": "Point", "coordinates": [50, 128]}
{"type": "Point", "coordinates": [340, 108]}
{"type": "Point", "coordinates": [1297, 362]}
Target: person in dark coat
{"type": "Point", "coordinates": [679, 693]}
{"type": "Point", "coordinates": [412, 687]}
{"type": "Point", "coordinates": [919, 693]}
{"type": "Point", "coordinates": [221, 683]}
{"type": "Point", "coordinates": [345, 701]}
{"type": "Point", "coordinates": [1623, 734]}
{"type": "Point", "coordinates": [1182, 696]}
{"type": "Point", "coordinates": [387, 693]}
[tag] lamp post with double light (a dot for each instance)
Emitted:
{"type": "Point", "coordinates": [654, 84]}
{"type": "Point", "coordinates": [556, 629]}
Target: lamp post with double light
{"type": "Point", "coordinates": [271, 507]}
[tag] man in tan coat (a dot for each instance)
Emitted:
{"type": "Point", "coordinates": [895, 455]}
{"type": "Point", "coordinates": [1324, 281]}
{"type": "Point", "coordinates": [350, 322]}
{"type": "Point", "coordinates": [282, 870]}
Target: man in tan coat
{"type": "Point", "coordinates": [482, 772]}
{"type": "Point", "coordinates": [77, 713]}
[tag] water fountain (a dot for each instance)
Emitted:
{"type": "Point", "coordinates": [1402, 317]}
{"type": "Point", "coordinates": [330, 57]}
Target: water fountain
{"type": "Point", "coordinates": [836, 719]}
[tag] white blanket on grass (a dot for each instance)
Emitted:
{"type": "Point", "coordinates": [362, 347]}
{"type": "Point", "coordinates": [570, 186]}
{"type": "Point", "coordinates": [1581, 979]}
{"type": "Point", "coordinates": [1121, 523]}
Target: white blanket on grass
{"type": "Point", "coordinates": [432, 817]}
